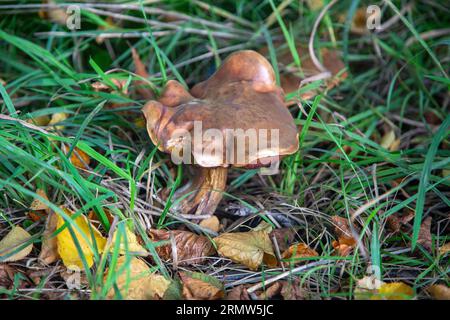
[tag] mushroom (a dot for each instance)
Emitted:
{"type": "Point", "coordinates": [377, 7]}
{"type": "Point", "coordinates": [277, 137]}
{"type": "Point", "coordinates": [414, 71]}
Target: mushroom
{"type": "Point", "coordinates": [236, 118]}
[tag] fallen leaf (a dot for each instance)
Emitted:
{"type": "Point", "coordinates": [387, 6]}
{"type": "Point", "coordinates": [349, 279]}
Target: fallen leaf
{"type": "Point", "coordinates": [174, 291]}
{"type": "Point", "coordinates": [66, 244]}
{"type": "Point", "coordinates": [341, 227]}
{"type": "Point", "coordinates": [199, 286]}
{"type": "Point", "coordinates": [292, 290]}
{"type": "Point", "coordinates": [344, 246]}
{"type": "Point", "coordinates": [15, 239]}
{"type": "Point", "coordinates": [128, 244]}
{"type": "Point", "coordinates": [439, 292]}
{"type": "Point", "coordinates": [49, 249]}
{"type": "Point", "coordinates": [78, 158]}
{"type": "Point", "coordinates": [57, 118]}
{"type": "Point", "coordinates": [359, 20]}
{"type": "Point", "coordinates": [40, 121]}
{"type": "Point", "coordinates": [92, 216]}
{"type": "Point", "coordinates": [298, 251]}
{"type": "Point", "coordinates": [444, 249]}
{"type": "Point", "coordinates": [6, 276]}
{"type": "Point", "coordinates": [212, 223]}
{"type": "Point", "coordinates": [389, 141]}
{"type": "Point", "coordinates": [191, 248]}
{"type": "Point", "coordinates": [136, 281]}
{"type": "Point", "coordinates": [142, 87]}
{"type": "Point", "coordinates": [238, 293]}
{"type": "Point", "coordinates": [38, 209]}
{"type": "Point", "coordinates": [366, 287]}
{"type": "Point", "coordinates": [271, 291]}
{"type": "Point", "coordinates": [119, 83]}
{"type": "Point", "coordinates": [283, 236]}
{"type": "Point", "coordinates": [394, 291]}
{"type": "Point", "coordinates": [397, 220]}
{"type": "Point", "coordinates": [425, 239]}
{"type": "Point", "coordinates": [263, 226]}
{"type": "Point", "coordinates": [56, 15]}
{"type": "Point", "coordinates": [110, 25]}
{"type": "Point", "coordinates": [315, 5]}
{"type": "Point", "coordinates": [331, 61]}
{"type": "Point", "coordinates": [249, 248]}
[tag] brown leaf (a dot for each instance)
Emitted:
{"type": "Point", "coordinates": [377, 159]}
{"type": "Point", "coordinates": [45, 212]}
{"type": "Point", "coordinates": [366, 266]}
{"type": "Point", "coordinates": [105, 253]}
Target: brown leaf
{"type": "Point", "coordinates": [238, 293]}
{"type": "Point", "coordinates": [444, 249]}
{"type": "Point", "coordinates": [439, 291]}
{"type": "Point", "coordinates": [272, 291]}
{"type": "Point", "coordinates": [331, 61]}
{"type": "Point", "coordinates": [6, 275]}
{"type": "Point", "coordinates": [341, 227]}
{"type": "Point", "coordinates": [38, 209]}
{"type": "Point", "coordinates": [103, 87]}
{"type": "Point", "coordinates": [142, 87]}
{"type": "Point", "coordinates": [424, 238]}
{"type": "Point", "coordinates": [359, 21]}
{"type": "Point", "coordinates": [292, 290]}
{"type": "Point", "coordinates": [78, 158]}
{"type": "Point", "coordinates": [249, 248]}
{"type": "Point", "coordinates": [212, 223]}
{"type": "Point", "coordinates": [137, 281]}
{"type": "Point", "coordinates": [56, 15]}
{"type": "Point", "coordinates": [344, 246]}
{"type": "Point", "coordinates": [49, 249]}
{"type": "Point", "coordinates": [198, 286]}
{"type": "Point", "coordinates": [191, 248]}
{"type": "Point", "coordinates": [296, 252]}
{"type": "Point", "coordinates": [284, 237]}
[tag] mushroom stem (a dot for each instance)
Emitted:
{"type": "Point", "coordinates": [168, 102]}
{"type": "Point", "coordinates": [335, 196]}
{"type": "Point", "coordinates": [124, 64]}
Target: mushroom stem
{"type": "Point", "coordinates": [203, 192]}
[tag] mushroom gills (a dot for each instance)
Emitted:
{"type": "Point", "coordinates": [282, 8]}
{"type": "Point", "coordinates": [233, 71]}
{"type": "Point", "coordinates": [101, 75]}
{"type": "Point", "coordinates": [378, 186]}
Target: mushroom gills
{"type": "Point", "coordinates": [203, 192]}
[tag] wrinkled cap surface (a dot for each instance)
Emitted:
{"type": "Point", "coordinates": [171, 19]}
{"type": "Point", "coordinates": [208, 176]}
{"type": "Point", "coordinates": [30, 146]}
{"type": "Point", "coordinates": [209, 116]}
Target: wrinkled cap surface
{"type": "Point", "coordinates": [235, 118]}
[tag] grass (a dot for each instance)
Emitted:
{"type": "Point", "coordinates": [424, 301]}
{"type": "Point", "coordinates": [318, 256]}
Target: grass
{"type": "Point", "coordinates": [397, 80]}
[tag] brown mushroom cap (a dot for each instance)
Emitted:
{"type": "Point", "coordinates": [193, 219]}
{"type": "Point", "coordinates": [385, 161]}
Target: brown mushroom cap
{"type": "Point", "coordinates": [240, 95]}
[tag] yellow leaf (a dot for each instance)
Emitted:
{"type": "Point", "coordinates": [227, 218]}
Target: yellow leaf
{"type": "Point", "coordinates": [40, 121]}
{"type": "Point", "coordinates": [136, 281]}
{"type": "Point", "coordinates": [439, 292]}
{"type": "Point", "coordinates": [66, 244]}
{"type": "Point", "coordinates": [212, 223]}
{"type": "Point", "coordinates": [264, 226]}
{"type": "Point", "coordinates": [249, 248]}
{"type": "Point", "coordinates": [367, 287]}
{"type": "Point", "coordinates": [49, 248]}
{"type": "Point", "coordinates": [57, 118]}
{"type": "Point", "coordinates": [394, 291]}
{"type": "Point", "coordinates": [14, 240]}
{"type": "Point", "coordinates": [388, 140]}
{"type": "Point", "coordinates": [128, 245]}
